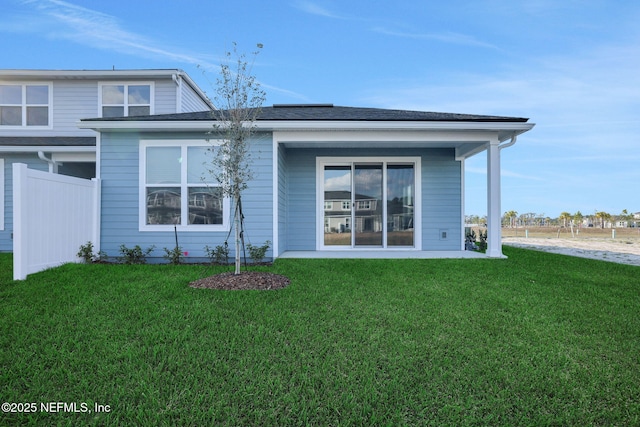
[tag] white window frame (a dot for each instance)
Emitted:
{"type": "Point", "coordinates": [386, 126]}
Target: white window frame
{"type": "Point", "coordinates": [321, 162]}
{"type": "Point", "coordinates": [126, 96]}
{"type": "Point", "coordinates": [4, 204]}
{"type": "Point", "coordinates": [184, 186]}
{"type": "Point", "coordinates": [23, 105]}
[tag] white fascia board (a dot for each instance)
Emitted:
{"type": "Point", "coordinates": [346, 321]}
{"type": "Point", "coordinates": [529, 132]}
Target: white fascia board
{"type": "Point", "coordinates": [46, 149]}
{"type": "Point", "coordinates": [89, 74]}
{"type": "Point", "coordinates": [311, 125]}
{"type": "Point", "coordinates": [320, 137]}
{"type": "Point", "coordinates": [395, 125]}
{"type": "Point", "coordinates": [149, 126]}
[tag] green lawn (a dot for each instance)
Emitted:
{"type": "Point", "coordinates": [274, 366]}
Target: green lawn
{"type": "Point", "coordinates": [538, 339]}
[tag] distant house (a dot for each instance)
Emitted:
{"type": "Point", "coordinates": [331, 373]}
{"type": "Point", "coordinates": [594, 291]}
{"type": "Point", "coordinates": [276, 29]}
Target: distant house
{"type": "Point", "coordinates": [329, 180]}
{"type": "Point", "coordinates": [40, 110]}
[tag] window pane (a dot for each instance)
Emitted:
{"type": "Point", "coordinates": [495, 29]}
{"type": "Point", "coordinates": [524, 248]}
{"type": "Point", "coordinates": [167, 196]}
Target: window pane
{"type": "Point", "coordinates": [37, 116]}
{"type": "Point", "coordinates": [337, 202]}
{"type": "Point", "coordinates": [367, 184]}
{"type": "Point", "coordinates": [139, 94]}
{"type": "Point", "coordinates": [163, 165]}
{"type": "Point", "coordinates": [198, 164]}
{"type": "Point", "coordinates": [400, 205]}
{"type": "Point", "coordinates": [37, 94]}
{"type": "Point", "coordinates": [139, 111]}
{"type": "Point", "coordinates": [11, 116]}
{"type": "Point", "coordinates": [10, 94]}
{"type": "Point", "coordinates": [113, 94]}
{"type": "Point", "coordinates": [112, 111]}
{"type": "Point", "coordinates": [163, 205]}
{"type": "Point", "coordinates": [205, 205]}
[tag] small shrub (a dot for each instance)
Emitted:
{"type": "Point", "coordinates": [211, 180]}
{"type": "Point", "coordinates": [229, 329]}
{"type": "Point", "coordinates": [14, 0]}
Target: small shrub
{"type": "Point", "coordinates": [134, 255]}
{"type": "Point", "coordinates": [470, 241]}
{"type": "Point", "coordinates": [257, 253]}
{"type": "Point", "coordinates": [174, 256]}
{"type": "Point", "coordinates": [218, 255]}
{"type": "Point", "coordinates": [87, 254]}
{"type": "Point", "coordinates": [482, 244]}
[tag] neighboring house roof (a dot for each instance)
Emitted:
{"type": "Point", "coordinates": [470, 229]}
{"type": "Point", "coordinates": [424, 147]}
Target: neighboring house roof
{"type": "Point", "coordinates": [328, 112]}
{"type": "Point", "coordinates": [45, 141]}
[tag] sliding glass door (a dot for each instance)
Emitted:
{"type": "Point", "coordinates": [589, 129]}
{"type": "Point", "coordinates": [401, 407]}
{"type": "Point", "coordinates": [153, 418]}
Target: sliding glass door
{"type": "Point", "coordinates": [368, 203]}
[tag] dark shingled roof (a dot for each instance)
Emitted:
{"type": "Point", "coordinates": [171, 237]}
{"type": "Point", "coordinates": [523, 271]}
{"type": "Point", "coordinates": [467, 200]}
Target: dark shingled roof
{"type": "Point", "coordinates": [328, 112]}
{"type": "Point", "coordinates": [45, 141]}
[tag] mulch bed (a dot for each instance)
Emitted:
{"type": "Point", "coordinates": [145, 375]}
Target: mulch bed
{"type": "Point", "coordinates": [246, 280]}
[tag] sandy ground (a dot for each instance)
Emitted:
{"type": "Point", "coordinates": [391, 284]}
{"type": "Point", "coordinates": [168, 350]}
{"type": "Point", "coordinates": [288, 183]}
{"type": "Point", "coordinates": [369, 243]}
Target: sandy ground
{"type": "Point", "coordinates": [622, 251]}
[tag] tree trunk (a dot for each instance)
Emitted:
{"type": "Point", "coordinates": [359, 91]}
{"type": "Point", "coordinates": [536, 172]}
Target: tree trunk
{"type": "Point", "coordinates": [237, 226]}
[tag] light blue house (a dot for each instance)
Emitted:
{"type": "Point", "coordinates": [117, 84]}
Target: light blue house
{"type": "Point", "coordinates": [329, 181]}
{"type": "Point", "coordinates": [40, 110]}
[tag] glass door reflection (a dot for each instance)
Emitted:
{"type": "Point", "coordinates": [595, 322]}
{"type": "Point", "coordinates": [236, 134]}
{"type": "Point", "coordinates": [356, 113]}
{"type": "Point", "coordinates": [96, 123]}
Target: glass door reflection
{"type": "Point", "coordinates": [337, 206]}
{"type": "Point", "coordinates": [367, 192]}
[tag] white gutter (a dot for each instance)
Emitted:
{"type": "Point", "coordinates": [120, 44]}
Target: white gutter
{"type": "Point", "coordinates": [310, 125]}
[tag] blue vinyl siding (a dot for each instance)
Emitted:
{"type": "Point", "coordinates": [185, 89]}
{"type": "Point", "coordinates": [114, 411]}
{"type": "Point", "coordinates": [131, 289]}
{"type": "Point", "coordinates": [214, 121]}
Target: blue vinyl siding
{"type": "Point", "coordinates": [191, 102]}
{"type": "Point", "coordinates": [283, 191]}
{"type": "Point", "coordinates": [301, 200]}
{"type": "Point", "coordinates": [441, 195]}
{"type": "Point", "coordinates": [33, 162]}
{"type": "Point", "coordinates": [120, 200]}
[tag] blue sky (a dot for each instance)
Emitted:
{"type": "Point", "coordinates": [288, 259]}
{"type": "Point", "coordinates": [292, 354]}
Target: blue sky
{"type": "Point", "coordinates": [572, 67]}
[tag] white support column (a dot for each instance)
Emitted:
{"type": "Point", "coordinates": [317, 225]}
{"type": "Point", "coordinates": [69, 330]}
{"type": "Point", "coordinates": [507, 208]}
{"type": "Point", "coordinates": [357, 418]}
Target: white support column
{"type": "Point", "coordinates": [494, 230]}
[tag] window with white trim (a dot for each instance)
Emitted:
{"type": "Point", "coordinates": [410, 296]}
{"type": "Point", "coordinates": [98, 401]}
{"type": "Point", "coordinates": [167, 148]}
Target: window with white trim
{"type": "Point", "coordinates": [25, 105]}
{"type": "Point", "coordinates": [380, 197]}
{"type": "Point", "coordinates": [126, 99]}
{"type": "Point", "coordinates": [177, 188]}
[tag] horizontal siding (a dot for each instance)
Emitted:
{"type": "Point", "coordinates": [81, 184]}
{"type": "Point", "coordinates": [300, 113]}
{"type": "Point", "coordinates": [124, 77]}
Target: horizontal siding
{"type": "Point", "coordinates": [441, 202]}
{"type": "Point", "coordinates": [191, 101]}
{"type": "Point", "coordinates": [441, 195]}
{"type": "Point", "coordinates": [165, 97]}
{"type": "Point", "coordinates": [283, 190]}
{"type": "Point", "coordinates": [120, 196]}
{"type": "Point", "coordinates": [301, 200]}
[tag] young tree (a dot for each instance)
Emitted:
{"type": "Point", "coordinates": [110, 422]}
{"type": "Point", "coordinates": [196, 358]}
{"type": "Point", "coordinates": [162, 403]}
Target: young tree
{"type": "Point", "coordinates": [239, 98]}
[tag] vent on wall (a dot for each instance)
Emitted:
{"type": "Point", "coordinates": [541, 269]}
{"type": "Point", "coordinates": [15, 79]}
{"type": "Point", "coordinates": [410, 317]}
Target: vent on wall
{"type": "Point", "coordinates": [443, 234]}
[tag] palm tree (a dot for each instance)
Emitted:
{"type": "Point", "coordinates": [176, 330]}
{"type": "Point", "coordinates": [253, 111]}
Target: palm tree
{"type": "Point", "coordinates": [564, 216]}
{"type": "Point", "coordinates": [510, 216]}
{"type": "Point", "coordinates": [603, 217]}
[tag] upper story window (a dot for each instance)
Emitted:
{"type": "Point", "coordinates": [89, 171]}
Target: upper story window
{"type": "Point", "coordinates": [126, 99]}
{"type": "Point", "coordinates": [23, 105]}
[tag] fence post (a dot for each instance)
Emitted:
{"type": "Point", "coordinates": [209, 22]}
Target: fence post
{"type": "Point", "coordinates": [20, 260]}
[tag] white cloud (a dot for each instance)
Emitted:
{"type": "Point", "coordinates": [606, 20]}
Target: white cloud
{"type": "Point", "coordinates": [315, 9]}
{"type": "Point", "coordinates": [445, 37]}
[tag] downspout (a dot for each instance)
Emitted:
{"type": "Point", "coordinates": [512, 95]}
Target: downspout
{"type": "Point", "coordinates": [53, 165]}
{"type": "Point", "coordinates": [510, 143]}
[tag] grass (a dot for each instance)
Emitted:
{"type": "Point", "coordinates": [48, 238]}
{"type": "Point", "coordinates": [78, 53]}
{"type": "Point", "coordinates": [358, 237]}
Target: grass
{"type": "Point", "coordinates": [538, 339]}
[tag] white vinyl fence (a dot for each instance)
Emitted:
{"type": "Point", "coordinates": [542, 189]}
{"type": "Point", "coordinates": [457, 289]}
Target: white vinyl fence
{"type": "Point", "coordinates": [53, 215]}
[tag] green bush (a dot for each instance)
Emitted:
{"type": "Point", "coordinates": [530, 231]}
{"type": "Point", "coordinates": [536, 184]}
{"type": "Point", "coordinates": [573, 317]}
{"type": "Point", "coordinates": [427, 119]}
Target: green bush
{"type": "Point", "coordinates": [134, 255]}
{"type": "Point", "coordinates": [218, 255]}
{"type": "Point", "coordinates": [257, 253]}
